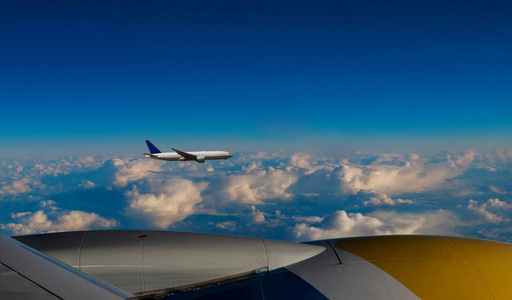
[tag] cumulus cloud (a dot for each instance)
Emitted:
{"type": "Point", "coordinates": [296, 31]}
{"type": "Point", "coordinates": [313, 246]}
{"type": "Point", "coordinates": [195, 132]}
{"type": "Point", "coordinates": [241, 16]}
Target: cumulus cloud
{"type": "Point", "coordinates": [466, 159]}
{"type": "Point", "coordinates": [19, 186]}
{"type": "Point", "coordinates": [302, 160]}
{"type": "Point", "coordinates": [169, 201]}
{"type": "Point", "coordinates": [258, 216]}
{"type": "Point", "coordinates": [133, 170]}
{"type": "Point", "coordinates": [383, 199]}
{"type": "Point", "coordinates": [412, 176]}
{"type": "Point", "coordinates": [343, 224]}
{"type": "Point", "coordinates": [313, 187]}
{"type": "Point", "coordinates": [87, 184]}
{"type": "Point", "coordinates": [484, 209]}
{"type": "Point", "coordinates": [20, 214]}
{"type": "Point", "coordinates": [228, 225]}
{"type": "Point", "coordinates": [74, 220]}
{"type": "Point", "coordinates": [253, 166]}
{"type": "Point", "coordinates": [265, 184]}
{"type": "Point", "coordinates": [309, 220]}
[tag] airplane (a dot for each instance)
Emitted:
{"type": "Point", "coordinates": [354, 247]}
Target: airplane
{"type": "Point", "coordinates": [140, 264]}
{"type": "Point", "coordinates": [198, 156]}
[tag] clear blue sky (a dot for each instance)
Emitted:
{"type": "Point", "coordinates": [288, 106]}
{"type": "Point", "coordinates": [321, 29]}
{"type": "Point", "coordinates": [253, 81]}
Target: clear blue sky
{"type": "Point", "coordinates": [96, 76]}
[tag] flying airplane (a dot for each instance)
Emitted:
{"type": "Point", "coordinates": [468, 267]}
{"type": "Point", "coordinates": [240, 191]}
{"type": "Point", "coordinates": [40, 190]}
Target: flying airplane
{"type": "Point", "coordinates": [131, 264]}
{"type": "Point", "coordinates": [198, 156]}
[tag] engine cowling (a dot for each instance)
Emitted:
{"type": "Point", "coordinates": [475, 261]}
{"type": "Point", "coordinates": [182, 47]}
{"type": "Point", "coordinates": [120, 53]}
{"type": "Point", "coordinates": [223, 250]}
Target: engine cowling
{"type": "Point", "coordinates": [200, 159]}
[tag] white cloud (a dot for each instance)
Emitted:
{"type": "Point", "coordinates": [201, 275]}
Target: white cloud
{"type": "Point", "coordinates": [341, 224]}
{"type": "Point", "coordinates": [302, 160]}
{"type": "Point", "coordinates": [416, 177]}
{"type": "Point", "coordinates": [19, 186]}
{"type": "Point", "coordinates": [228, 225]}
{"type": "Point", "coordinates": [87, 184]}
{"type": "Point", "coordinates": [20, 214]}
{"type": "Point", "coordinates": [383, 199]}
{"type": "Point", "coordinates": [499, 204]}
{"type": "Point", "coordinates": [265, 184]}
{"type": "Point", "coordinates": [259, 217]}
{"type": "Point", "coordinates": [133, 170]}
{"type": "Point", "coordinates": [73, 220]}
{"type": "Point", "coordinates": [46, 203]}
{"type": "Point", "coordinates": [484, 209]}
{"type": "Point", "coordinates": [309, 220]}
{"type": "Point", "coordinates": [253, 166]}
{"type": "Point", "coordinates": [169, 202]}
{"type": "Point", "coordinates": [466, 159]}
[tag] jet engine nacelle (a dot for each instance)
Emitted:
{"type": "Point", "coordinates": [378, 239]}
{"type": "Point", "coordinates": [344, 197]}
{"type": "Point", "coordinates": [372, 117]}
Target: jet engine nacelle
{"type": "Point", "coordinates": [200, 159]}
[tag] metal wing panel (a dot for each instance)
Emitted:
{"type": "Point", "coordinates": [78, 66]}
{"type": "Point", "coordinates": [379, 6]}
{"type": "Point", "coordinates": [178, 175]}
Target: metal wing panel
{"type": "Point", "coordinates": [185, 154]}
{"type": "Point", "coordinates": [52, 275]}
{"type": "Point", "coordinates": [13, 286]}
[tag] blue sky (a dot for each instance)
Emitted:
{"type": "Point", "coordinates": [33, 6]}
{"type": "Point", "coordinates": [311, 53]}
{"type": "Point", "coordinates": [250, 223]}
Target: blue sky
{"type": "Point", "coordinates": [346, 117]}
{"type": "Point", "coordinates": [99, 76]}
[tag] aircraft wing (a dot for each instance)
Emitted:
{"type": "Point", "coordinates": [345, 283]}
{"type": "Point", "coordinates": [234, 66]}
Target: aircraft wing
{"type": "Point", "coordinates": [195, 266]}
{"type": "Point", "coordinates": [30, 274]}
{"type": "Point", "coordinates": [185, 154]}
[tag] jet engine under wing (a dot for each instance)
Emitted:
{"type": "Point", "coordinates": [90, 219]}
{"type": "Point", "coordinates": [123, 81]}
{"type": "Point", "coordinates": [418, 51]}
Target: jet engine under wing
{"type": "Point", "coordinates": [185, 154]}
{"type": "Point", "coordinates": [145, 263]}
{"type": "Point", "coordinates": [29, 274]}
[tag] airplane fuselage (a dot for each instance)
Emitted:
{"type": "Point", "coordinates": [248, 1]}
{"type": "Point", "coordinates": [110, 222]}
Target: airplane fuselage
{"type": "Point", "coordinates": [202, 155]}
{"type": "Point", "coordinates": [178, 155]}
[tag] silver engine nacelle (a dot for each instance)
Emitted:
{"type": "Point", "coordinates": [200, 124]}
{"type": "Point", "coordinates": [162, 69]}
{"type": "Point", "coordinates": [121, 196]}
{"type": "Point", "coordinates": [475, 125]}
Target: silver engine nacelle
{"type": "Point", "coordinates": [200, 159]}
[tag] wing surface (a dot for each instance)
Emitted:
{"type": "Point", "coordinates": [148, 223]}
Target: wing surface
{"type": "Point", "coordinates": [32, 273]}
{"type": "Point", "coordinates": [185, 154]}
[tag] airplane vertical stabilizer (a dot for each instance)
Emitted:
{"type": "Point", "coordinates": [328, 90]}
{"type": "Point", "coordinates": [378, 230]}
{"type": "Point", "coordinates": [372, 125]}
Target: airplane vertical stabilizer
{"type": "Point", "coordinates": [152, 148]}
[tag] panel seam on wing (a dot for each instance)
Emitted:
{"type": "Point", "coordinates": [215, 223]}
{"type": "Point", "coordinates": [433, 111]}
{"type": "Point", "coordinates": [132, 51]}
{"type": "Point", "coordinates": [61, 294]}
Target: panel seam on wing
{"type": "Point", "coordinates": [141, 257]}
{"type": "Point", "coordinates": [471, 262]}
{"type": "Point", "coordinates": [80, 251]}
{"type": "Point", "coordinates": [266, 253]}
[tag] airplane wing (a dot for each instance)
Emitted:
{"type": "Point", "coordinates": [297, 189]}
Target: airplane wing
{"type": "Point", "coordinates": [140, 264]}
{"type": "Point", "coordinates": [185, 154]}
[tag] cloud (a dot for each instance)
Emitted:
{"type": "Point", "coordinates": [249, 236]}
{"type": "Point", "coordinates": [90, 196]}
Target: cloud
{"type": "Point", "coordinates": [20, 214]}
{"type": "Point", "coordinates": [258, 216]}
{"type": "Point", "coordinates": [302, 160]}
{"type": "Point", "coordinates": [19, 186]}
{"type": "Point", "coordinates": [228, 225]}
{"type": "Point", "coordinates": [168, 202]}
{"type": "Point", "coordinates": [265, 184]}
{"type": "Point", "coordinates": [484, 209]}
{"type": "Point", "coordinates": [251, 167]}
{"type": "Point", "coordinates": [343, 224]}
{"type": "Point", "coordinates": [307, 188]}
{"type": "Point", "coordinates": [383, 199]}
{"type": "Point", "coordinates": [87, 184]}
{"type": "Point", "coordinates": [133, 170]}
{"type": "Point", "coordinates": [74, 220]}
{"type": "Point", "coordinates": [411, 176]}
{"type": "Point", "coordinates": [309, 220]}
{"type": "Point", "coordinates": [466, 159]}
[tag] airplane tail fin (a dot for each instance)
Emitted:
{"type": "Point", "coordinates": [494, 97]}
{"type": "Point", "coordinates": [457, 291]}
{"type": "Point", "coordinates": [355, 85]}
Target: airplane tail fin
{"type": "Point", "coordinates": [152, 148]}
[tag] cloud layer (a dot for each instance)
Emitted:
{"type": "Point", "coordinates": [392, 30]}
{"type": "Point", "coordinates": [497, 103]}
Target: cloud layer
{"type": "Point", "coordinates": [294, 196]}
